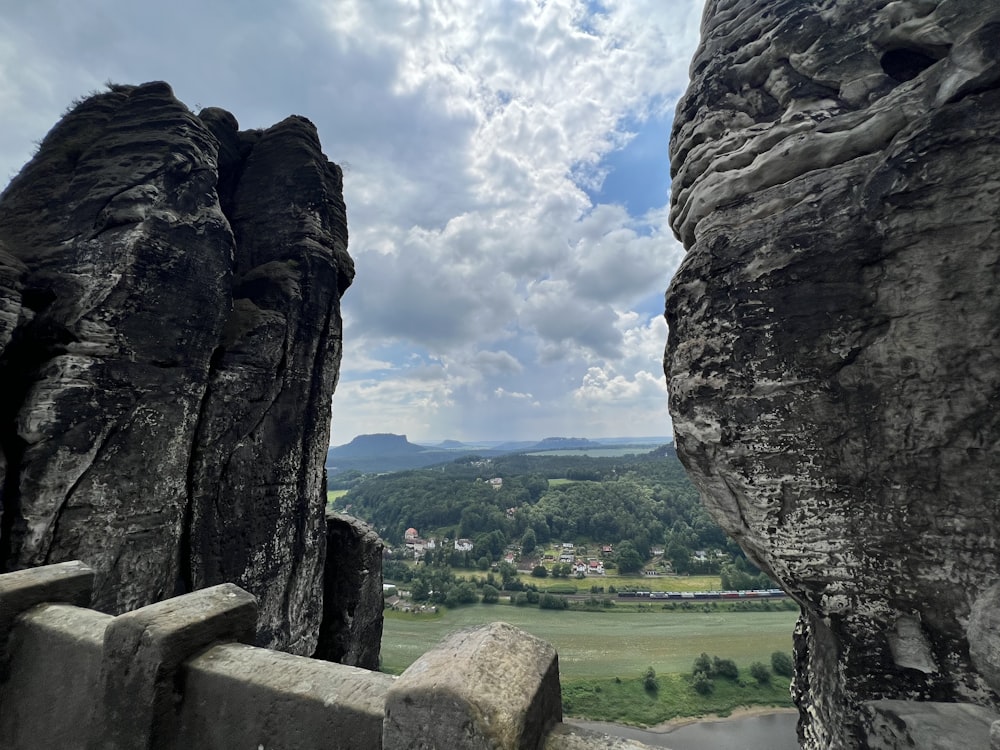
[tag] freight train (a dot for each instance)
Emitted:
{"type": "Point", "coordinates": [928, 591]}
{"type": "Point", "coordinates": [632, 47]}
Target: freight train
{"type": "Point", "coordinates": [702, 595]}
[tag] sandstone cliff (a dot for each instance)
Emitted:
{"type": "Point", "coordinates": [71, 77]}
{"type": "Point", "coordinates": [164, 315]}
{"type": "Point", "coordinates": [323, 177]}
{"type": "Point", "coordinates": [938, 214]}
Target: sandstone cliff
{"type": "Point", "coordinates": [834, 349]}
{"type": "Point", "coordinates": [169, 343]}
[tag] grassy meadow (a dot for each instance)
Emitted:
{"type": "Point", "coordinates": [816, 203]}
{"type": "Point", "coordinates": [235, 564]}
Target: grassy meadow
{"type": "Point", "coordinates": [630, 702]}
{"type": "Point", "coordinates": [604, 655]}
{"type": "Point", "coordinates": [604, 645]}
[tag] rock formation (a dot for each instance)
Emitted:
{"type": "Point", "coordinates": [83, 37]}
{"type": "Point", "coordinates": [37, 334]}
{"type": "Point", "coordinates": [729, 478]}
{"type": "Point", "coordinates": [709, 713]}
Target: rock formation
{"type": "Point", "coordinates": [351, 626]}
{"type": "Point", "coordinates": [834, 350]}
{"type": "Point", "coordinates": [169, 342]}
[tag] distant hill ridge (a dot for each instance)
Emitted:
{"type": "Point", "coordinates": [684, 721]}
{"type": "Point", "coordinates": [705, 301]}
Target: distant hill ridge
{"type": "Point", "coordinates": [385, 451]}
{"type": "Point", "coordinates": [562, 443]}
{"type": "Point", "coordinates": [379, 444]}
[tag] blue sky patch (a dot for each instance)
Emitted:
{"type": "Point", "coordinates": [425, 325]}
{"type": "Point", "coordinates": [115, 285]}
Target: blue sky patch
{"type": "Point", "coordinates": [638, 175]}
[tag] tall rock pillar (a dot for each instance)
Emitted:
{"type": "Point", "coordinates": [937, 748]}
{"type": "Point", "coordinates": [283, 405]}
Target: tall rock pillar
{"type": "Point", "coordinates": [834, 350]}
{"type": "Point", "coordinates": [170, 337]}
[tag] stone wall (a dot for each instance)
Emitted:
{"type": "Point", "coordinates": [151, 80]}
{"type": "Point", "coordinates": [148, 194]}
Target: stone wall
{"type": "Point", "coordinates": [181, 674]}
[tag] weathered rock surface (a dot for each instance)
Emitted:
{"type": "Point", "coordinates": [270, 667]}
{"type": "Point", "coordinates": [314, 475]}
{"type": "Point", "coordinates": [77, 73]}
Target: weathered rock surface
{"type": "Point", "coordinates": [834, 349]}
{"type": "Point", "coordinates": [926, 725]}
{"type": "Point", "coordinates": [351, 629]}
{"type": "Point", "coordinates": [169, 341]}
{"type": "Point", "coordinates": [494, 686]}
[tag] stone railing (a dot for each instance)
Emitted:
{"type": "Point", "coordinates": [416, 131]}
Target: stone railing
{"type": "Point", "coordinates": [180, 674]}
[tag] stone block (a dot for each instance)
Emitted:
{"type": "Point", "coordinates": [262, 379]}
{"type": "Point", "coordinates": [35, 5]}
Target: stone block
{"type": "Point", "coordinates": [493, 687]}
{"type": "Point", "coordinates": [237, 695]}
{"type": "Point", "coordinates": [53, 682]}
{"type": "Point", "coordinates": [67, 582]}
{"type": "Point", "coordinates": [144, 649]}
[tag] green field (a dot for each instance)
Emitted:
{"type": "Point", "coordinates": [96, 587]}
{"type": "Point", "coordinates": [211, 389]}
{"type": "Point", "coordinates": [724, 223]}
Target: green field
{"type": "Point", "coordinates": [598, 645]}
{"type": "Point", "coordinates": [647, 583]}
{"type": "Point", "coordinates": [332, 495]}
{"type": "Point", "coordinates": [629, 702]}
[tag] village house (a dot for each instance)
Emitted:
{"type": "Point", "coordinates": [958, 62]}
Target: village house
{"type": "Point", "coordinates": [463, 545]}
{"type": "Point", "coordinates": [415, 544]}
{"type": "Point", "coordinates": [496, 483]}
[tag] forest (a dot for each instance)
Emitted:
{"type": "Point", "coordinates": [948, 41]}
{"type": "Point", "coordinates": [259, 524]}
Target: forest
{"type": "Point", "coordinates": [634, 502]}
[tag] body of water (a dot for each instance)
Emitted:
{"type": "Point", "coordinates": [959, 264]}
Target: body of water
{"type": "Point", "coordinates": [766, 732]}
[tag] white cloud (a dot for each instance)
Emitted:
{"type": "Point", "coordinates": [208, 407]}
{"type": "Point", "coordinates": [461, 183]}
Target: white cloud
{"type": "Point", "coordinates": [497, 363]}
{"type": "Point", "coordinates": [501, 393]}
{"type": "Point", "coordinates": [472, 136]}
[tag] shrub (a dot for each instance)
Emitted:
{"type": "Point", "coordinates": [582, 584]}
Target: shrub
{"type": "Point", "coordinates": [540, 571]}
{"type": "Point", "coordinates": [702, 664]}
{"type": "Point", "coordinates": [781, 663]}
{"type": "Point", "coordinates": [463, 593]}
{"type": "Point", "coordinates": [702, 684]}
{"type": "Point", "coordinates": [649, 681]}
{"type": "Point", "coordinates": [760, 673]}
{"type": "Point", "coordinates": [725, 668]}
{"type": "Point", "coordinates": [551, 601]}
{"type": "Point", "coordinates": [490, 594]}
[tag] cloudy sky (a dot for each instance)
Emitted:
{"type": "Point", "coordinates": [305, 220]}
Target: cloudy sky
{"type": "Point", "coordinates": [506, 181]}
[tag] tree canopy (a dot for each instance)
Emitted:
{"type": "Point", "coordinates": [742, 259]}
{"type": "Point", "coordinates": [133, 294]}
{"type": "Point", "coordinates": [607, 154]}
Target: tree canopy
{"type": "Point", "coordinates": [645, 500]}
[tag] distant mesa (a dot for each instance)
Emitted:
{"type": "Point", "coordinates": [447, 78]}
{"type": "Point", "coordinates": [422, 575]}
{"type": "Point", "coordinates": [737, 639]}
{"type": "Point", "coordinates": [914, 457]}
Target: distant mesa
{"type": "Point", "coordinates": [379, 444]}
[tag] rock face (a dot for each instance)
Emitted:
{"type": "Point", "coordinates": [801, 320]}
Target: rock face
{"type": "Point", "coordinates": [170, 334]}
{"type": "Point", "coordinates": [834, 349]}
{"type": "Point", "coordinates": [351, 630]}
